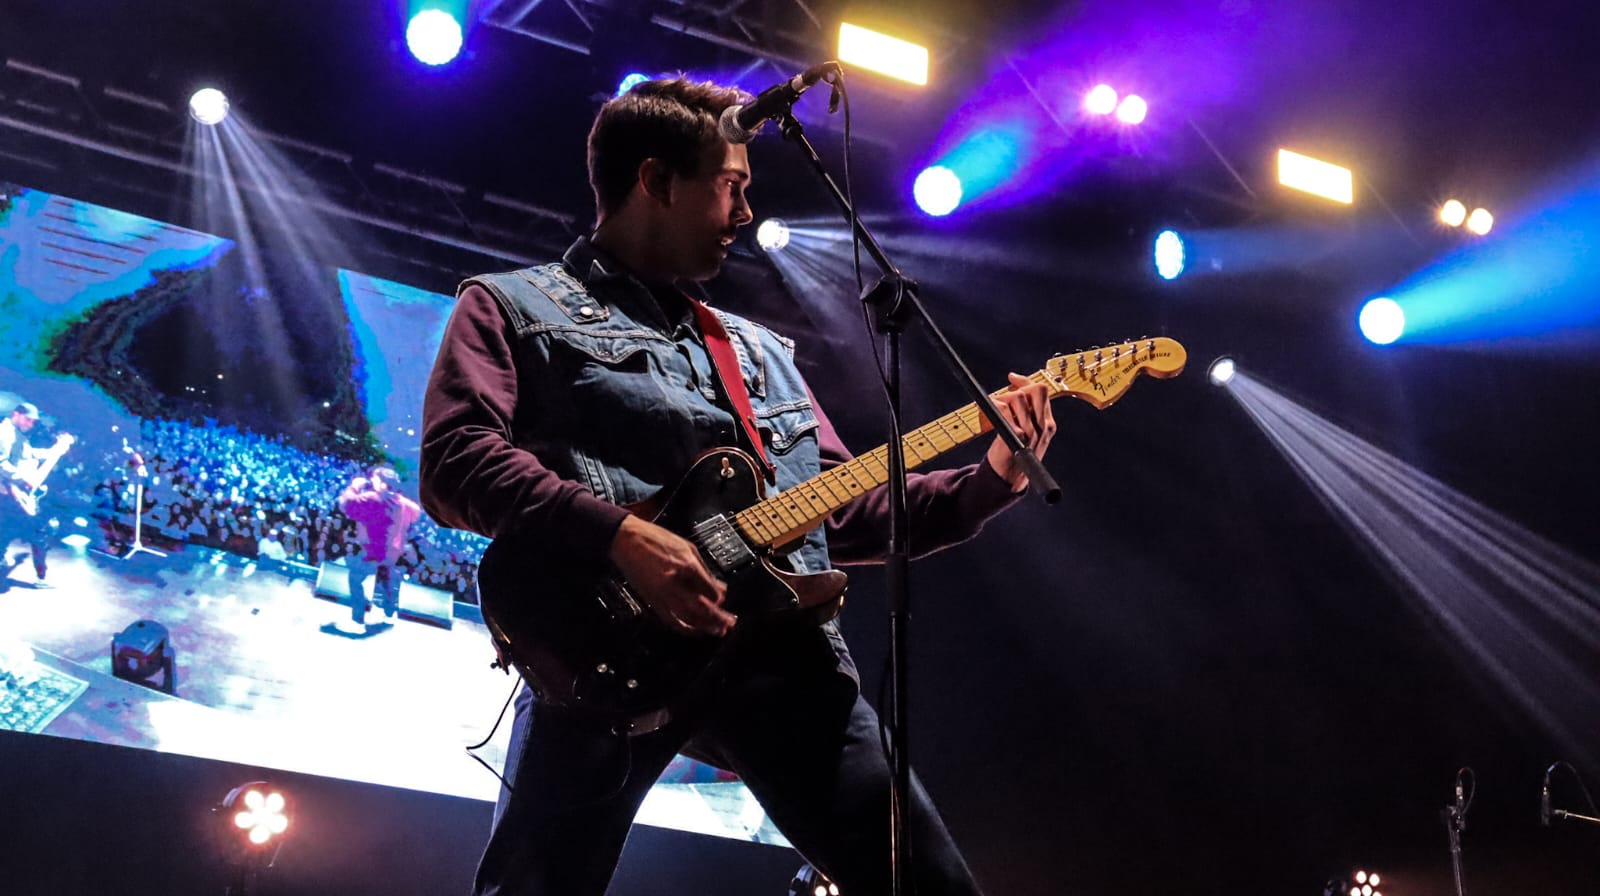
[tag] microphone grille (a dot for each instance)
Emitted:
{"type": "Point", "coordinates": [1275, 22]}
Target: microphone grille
{"type": "Point", "coordinates": [730, 129]}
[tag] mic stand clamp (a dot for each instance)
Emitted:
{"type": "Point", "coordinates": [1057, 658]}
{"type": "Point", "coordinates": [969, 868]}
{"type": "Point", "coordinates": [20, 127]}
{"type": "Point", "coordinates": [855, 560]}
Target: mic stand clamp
{"type": "Point", "coordinates": [894, 299]}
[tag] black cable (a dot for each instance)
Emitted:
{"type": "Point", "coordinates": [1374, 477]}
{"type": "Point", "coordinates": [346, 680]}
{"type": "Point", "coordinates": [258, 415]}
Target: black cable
{"type": "Point", "coordinates": [516, 683]}
{"type": "Point", "coordinates": [1587, 797]}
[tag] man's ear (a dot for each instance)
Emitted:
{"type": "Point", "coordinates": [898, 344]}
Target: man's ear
{"type": "Point", "coordinates": [655, 180]}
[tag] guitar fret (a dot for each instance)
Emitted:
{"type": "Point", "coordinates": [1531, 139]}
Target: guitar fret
{"type": "Point", "coordinates": [808, 493]}
{"type": "Point", "coordinates": [826, 481]}
{"type": "Point", "coordinates": [946, 432]}
{"type": "Point", "coordinates": [875, 456]}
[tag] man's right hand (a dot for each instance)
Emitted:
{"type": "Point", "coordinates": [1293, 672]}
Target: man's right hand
{"type": "Point", "coordinates": [666, 572]}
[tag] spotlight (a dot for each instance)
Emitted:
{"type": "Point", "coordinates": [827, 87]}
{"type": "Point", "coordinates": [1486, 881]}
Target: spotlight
{"type": "Point", "coordinates": [630, 81]}
{"type": "Point", "coordinates": [772, 234]}
{"type": "Point", "coordinates": [257, 812]}
{"type": "Point", "coordinates": [1314, 176]}
{"type": "Point", "coordinates": [881, 53]}
{"type": "Point", "coordinates": [937, 191]}
{"type": "Point", "coordinates": [1452, 213]}
{"type": "Point", "coordinates": [208, 105]}
{"type": "Point", "coordinates": [434, 36]}
{"type": "Point", "coordinates": [1102, 100]}
{"type": "Point", "coordinates": [1382, 321]}
{"type": "Point", "coordinates": [1221, 371]}
{"type": "Point", "coordinates": [1169, 254]}
{"type": "Point", "coordinates": [251, 823]}
{"type": "Point", "coordinates": [808, 881]}
{"type": "Point", "coordinates": [1480, 221]}
{"type": "Point", "coordinates": [1132, 109]}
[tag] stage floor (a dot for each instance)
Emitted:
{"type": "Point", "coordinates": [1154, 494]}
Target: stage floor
{"type": "Point", "coordinates": [266, 677]}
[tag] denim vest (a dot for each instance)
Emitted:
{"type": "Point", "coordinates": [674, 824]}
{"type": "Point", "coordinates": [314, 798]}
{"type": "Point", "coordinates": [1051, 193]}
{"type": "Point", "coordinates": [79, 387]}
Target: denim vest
{"type": "Point", "coordinates": [613, 395]}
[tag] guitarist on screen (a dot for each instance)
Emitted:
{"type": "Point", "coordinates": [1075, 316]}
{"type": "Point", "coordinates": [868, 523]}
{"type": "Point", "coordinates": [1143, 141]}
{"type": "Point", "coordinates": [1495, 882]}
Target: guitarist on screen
{"type": "Point", "coordinates": [564, 392]}
{"type": "Point", "coordinates": [23, 469]}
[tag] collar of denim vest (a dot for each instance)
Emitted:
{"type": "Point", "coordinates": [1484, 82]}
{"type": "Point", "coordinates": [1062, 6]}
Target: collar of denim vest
{"type": "Point", "coordinates": [593, 267]}
{"type": "Point", "coordinates": [603, 276]}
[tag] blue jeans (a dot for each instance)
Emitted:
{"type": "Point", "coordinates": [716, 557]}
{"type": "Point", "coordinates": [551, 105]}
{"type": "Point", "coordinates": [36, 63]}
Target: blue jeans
{"type": "Point", "coordinates": [800, 737]}
{"type": "Point", "coordinates": [386, 590]}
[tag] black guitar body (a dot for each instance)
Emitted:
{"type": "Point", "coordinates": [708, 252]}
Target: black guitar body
{"type": "Point", "coordinates": [590, 645]}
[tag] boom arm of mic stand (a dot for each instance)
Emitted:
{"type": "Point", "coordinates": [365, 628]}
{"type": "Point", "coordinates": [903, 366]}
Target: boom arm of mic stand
{"type": "Point", "coordinates": [1562, 813]}
{"type": "Point", "coordinates": [901, 291]}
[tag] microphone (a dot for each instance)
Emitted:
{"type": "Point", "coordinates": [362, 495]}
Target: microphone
{"type": "Point", "coordinates": [1544, 803]}
{"type": "Point", "coordinates": [1461, 809]}
{"type": "Point", "coordinates": [739, 124]}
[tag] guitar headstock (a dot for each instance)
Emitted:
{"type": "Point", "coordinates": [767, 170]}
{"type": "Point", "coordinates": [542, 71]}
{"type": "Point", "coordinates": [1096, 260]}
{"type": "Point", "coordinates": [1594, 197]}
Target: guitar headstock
{"type": "Point", "coordinates": [1101, 374]}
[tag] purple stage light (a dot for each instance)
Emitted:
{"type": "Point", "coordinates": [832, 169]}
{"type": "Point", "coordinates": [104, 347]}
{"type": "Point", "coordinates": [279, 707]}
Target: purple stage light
{"type": "Point", "coordinates": [1132, 109]}
{"type": "Point", "coordinates": [1102, 100]}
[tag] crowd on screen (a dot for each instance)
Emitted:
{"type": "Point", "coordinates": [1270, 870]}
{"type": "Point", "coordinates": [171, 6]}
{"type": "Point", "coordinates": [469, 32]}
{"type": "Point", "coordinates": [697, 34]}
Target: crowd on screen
{"type": "Point", "coordinates": [220, 486]}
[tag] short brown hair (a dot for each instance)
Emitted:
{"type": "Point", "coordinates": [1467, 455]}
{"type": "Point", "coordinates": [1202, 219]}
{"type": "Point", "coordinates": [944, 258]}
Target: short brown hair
{"type": "Point", "coordinates": [669, 119]}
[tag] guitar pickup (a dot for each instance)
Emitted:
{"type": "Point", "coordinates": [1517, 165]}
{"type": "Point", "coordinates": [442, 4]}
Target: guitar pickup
{"type": "Point", "coordinates": [720, 541]}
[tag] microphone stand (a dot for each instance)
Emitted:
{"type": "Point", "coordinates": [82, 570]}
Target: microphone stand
{"type": "Point", "coordinates": [894, 302]}
{"type": "Point", "coordinates": [140, 472]}
{"type": "Point", "coordinates": [1573, 816]}
{"type": "Point", "coordinates": [1454, 821]}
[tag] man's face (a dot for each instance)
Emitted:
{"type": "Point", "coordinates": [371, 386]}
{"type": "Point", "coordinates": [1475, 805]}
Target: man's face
{"type": "Point", "coordinates": [706, 212]}
{"type": "Point", "coordinates": [23, 421]}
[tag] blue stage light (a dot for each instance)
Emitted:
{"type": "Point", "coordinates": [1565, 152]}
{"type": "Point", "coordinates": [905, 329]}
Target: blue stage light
{"type": "Point", "coordinates": [937, 191]}
{"type": "Point", "coordinates": [630, 81]}
{"type": "Point", "coordinates": [1169, 254]}
{"type": "Point", "coordinates": [1382, 321]}
{"type": "Point", "coordinates": [982, 163]}
{"type": "Point", "coordinates": [434, 36]}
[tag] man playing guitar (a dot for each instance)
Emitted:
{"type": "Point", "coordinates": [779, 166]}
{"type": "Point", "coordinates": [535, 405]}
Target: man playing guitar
{"type": "Point", "coordinates": [23, 469]}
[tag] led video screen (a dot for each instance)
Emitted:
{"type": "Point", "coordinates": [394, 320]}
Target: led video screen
{"type": "Point", "coordinates": [182, 413]}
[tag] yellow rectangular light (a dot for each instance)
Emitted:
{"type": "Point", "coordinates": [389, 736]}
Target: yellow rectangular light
{"type": "Point", "coordinates": [878, 52]}
{"type": "Point", "coordinates": [1315, 176]}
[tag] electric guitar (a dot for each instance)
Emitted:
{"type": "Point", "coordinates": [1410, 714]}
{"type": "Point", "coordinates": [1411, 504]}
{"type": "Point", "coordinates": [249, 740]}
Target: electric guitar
{"type": "Point", "coordinates": [28, 487]}
{"type": "Point", "coordinates": [593, 646]}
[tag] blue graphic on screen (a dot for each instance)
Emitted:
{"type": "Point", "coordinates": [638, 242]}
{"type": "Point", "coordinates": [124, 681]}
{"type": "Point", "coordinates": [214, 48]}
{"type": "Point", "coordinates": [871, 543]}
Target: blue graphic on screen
{"type": "Point", "coordinates": [396, 329]}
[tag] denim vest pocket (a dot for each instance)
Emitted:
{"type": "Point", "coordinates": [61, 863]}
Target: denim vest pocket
{"type": "Point", "coordinates": [785, 424]}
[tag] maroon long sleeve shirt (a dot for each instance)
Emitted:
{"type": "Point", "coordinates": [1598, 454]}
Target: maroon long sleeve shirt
{"type": "Point", "coordinates": [473, 477]}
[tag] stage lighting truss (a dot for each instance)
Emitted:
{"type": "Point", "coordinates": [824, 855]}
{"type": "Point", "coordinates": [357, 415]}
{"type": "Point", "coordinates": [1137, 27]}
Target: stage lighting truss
{"type": "Point", "coordinates": [53, 125]}
{"type": "Point", "coordinates": [789, 35]}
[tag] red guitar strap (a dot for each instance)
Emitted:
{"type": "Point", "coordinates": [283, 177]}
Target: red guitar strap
{"type": "Point", "coordinates": [727, 366]}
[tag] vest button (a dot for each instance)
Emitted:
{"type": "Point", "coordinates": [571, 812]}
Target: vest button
{"type": "Point", "coordinates": [586, 311]}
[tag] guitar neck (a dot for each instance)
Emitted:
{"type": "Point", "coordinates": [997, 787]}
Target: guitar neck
{"type": "Point", "coordinates": [790, 514]}
{"type": "Point", "coordinates": [1098, 376]}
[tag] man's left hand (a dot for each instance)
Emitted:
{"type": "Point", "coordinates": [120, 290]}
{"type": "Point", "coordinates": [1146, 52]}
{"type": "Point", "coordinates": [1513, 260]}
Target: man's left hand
{"type": "Point", "coordinates": [1027, 408]}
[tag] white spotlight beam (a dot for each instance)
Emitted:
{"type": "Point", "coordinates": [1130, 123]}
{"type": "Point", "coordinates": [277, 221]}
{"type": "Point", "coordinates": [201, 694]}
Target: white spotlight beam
{"type": "Point", "coordinates": [1518, 607]}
